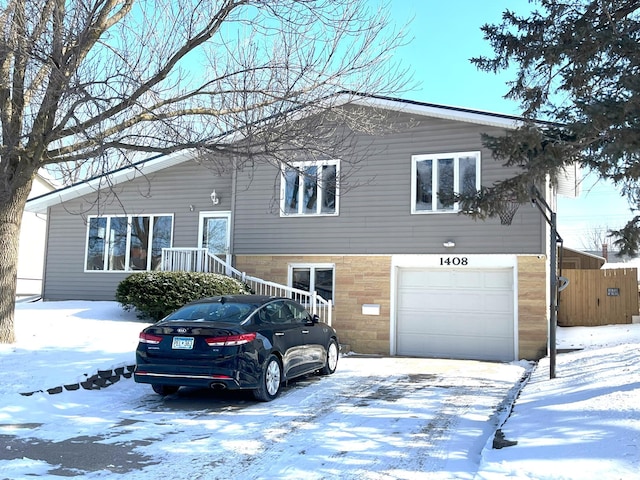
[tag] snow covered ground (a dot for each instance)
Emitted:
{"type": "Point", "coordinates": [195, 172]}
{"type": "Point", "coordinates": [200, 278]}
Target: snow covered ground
{"type": "Point", "coordinates": [376, 418]}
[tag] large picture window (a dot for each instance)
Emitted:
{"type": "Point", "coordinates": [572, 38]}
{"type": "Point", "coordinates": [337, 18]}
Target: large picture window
{"type": "Point", "coordinates": [448, 173]}
{"type": "Point", "coordinates": [127, 243]}
{"type": "Point", "coordinates": [310, 188]}
{"type": "Point", "coordinates": [313, 277]}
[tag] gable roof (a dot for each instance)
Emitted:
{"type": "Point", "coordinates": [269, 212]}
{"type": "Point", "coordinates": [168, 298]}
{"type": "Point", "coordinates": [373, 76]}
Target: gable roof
{"type": "Point", "coordinates": [124, 174]}
{"type": "Point", "coordinates": [434, 110]}
{"type": "Point", "coordinates": [147, 166]}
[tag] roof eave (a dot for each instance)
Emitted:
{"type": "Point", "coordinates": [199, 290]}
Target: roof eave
{"type": "Point", "coordinates": [443, 111]}
{"type": "Point", "coordinates": [43, 202]}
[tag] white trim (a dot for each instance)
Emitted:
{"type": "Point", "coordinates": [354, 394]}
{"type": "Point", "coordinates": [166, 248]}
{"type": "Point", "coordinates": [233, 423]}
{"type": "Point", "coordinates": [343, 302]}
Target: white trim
{"type": "Point", "coordinates": [434, 157]}
{"type": "Point", "coordinates": [108, 218]}
{"type": "Point", "coordinates": [434, 262]}
{"type": "Point", "coordinates": [313, 266]}
{"type": "Point", "coordinates": [319, 186]}
{"type": "Point", "coordinates": [447, 112]}
{"type": "Point", "coordinates": [212, 214]}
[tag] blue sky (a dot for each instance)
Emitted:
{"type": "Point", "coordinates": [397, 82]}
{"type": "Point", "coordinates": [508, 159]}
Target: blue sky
{"type": "Point", "coordinates": [444, 36]}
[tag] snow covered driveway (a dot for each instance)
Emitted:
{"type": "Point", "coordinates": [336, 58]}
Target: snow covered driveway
{"type": "Point", "coordinates": [375, 418]}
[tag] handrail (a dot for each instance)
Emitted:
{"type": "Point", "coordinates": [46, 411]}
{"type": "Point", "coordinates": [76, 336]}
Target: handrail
{"type": "Point", "coordinates": [201, 260]}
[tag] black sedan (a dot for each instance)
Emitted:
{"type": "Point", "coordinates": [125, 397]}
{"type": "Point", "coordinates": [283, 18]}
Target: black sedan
{"type": "Point", "coordinates": [237, 342]}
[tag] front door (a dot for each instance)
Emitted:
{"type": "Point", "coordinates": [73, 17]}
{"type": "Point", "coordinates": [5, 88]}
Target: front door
{"type": "Point", "coordinates": [214, 233]}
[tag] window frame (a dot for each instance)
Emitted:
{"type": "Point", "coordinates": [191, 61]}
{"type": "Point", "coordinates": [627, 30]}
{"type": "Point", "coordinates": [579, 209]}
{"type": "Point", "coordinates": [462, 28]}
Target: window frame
{"type": "Point", "coordinates": [434, 158]}
{"type": "Point", "coordinates": [312, 267]}
{"type": "Point", "coordinates": [127, 257]}
{"type": "Point", "coordinates": [301, 167]}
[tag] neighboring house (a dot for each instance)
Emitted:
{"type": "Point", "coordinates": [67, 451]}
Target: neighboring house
{"type": "Point", "coordinates": [407, 275]}
{"type": "Point", "coordinates": [32, 243]}
{"type": "Point", "coordinates": [575, 259]}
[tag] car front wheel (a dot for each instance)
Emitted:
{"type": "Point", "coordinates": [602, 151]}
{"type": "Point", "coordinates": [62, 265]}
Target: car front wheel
{"type": "Point", "coordinates": [271, 380]}
{"type": "Point", "coordinates": [164, 389]}
{"type": "Point", "coordinates": [333, 352]}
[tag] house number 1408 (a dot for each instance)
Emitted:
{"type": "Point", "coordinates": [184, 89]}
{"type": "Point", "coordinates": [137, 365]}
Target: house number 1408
{"type": "Point", "coordinates": [454, 261]}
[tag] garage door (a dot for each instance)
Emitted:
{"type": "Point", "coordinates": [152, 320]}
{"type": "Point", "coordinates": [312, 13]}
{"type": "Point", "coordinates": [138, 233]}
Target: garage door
{"type": "Point", "coordinates": [465, 314]}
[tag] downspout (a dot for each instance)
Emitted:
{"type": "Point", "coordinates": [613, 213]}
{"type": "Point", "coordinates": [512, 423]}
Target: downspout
{"type": "Point", "coordinates": [232, 229]}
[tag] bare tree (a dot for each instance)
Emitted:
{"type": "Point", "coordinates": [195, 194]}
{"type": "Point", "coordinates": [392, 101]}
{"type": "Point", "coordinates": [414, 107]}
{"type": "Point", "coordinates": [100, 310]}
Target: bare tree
{"type": "Point", "coordinates": [89, 85]}
{"type": "Point", "coordinates": [596, 237]}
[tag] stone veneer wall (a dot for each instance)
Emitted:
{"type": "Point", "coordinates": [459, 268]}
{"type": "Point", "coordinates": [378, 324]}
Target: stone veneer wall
{"type": "Point", "coordinates": [532, 307]}
{"type": "Point", "coordinates": [366, 279]}
{"type": "Point", "coordinates": [358, 280]}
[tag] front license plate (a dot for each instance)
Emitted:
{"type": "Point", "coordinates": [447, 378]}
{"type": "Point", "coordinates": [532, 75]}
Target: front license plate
{"type": "Point", "coordinates": [182, 343]}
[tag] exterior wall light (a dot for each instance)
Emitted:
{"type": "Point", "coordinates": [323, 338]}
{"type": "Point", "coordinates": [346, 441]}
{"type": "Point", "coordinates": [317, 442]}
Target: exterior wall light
{"type": "Point", "coordinates": [449, 244]}
{"type": "Point", "coordinates": [214, 198]}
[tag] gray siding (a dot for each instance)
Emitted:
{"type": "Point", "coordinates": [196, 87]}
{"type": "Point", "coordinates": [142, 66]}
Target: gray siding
{"type": "Point", "coordinates": [170, 191]}
{"type": "Point", "coordinates": [375, 211]}
{"type": "Point", "coordinates": [375, 207]}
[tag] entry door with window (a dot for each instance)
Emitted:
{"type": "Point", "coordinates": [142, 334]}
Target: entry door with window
{"type": "Point", "coordinates": [214, 234]}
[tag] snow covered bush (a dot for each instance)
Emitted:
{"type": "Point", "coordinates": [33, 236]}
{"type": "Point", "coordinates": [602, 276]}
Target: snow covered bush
{"type": "Point", "coordinates": [156, 294]}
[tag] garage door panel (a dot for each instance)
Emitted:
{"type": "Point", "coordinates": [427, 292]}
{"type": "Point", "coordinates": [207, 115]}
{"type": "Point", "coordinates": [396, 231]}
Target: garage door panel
{"type": "Point", "coordinates": [456, 313]}
{"type": "Point", "coordinates": [464, 302]}
{"type": "Point", "coordinates": [466, 347]}
{"type": "Point", "coordinates": [453, 324]}
{"type": "Point", "coordinates": [497, 280]}
{"type": "Point", "coordinates": [421, 279]}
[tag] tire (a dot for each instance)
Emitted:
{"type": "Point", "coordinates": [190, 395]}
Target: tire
{"type": "Point", "coordinates": [270, 381]}
{"type": "Point", "coordinates": [164, 389]}
{"type": "Point", "coordinates": [333, 353]}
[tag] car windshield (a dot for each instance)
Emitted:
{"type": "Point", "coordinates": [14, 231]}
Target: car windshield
{"type": "Point", "coordinates": [227, 312]}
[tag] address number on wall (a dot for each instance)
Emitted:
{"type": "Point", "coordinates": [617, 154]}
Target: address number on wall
{"type": "Point", "coordinates": [454, 261]}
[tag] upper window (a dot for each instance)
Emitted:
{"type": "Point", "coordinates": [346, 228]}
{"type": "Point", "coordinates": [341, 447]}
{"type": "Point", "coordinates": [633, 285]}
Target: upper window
{"type": "Point", "coordinates": [447, 173]}
{"type": "Point", "coordinates": [310, 188]}
{"type": "Point", "coordinates": [127, 243]}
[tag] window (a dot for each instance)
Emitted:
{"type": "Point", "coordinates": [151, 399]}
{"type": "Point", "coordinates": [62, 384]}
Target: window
{"type": "Point", "coordinates": [300, 315]}
{"type": "Point", "coordinates": [447, 173]}
{"type": "Point", "coordinates": [313, 277]}
{"type": "Point", "coordinates": [310, 188]}
{"type": "Point", "coordinates": [127, 243]}
{"type": "Point", "coordinates": [276, 312]}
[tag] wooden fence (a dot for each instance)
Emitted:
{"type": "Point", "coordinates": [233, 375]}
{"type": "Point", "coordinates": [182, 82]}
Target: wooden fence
{"type": "Point", "coordinates": [598, 297]}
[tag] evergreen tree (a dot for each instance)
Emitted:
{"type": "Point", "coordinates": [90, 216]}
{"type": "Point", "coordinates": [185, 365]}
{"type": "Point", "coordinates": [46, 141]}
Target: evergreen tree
{"type": "Point", "coordinates": [578, 69]}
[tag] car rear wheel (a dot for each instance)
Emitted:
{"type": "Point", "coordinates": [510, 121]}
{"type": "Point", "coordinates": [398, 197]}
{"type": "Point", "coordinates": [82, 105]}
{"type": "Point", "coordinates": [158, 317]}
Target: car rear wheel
{"type": "Point", "coordinates": [164, 389]}
{"type": "Point", "coordinates": [333, 352]}
{"type": "Point", "coordinates": [270, 381]}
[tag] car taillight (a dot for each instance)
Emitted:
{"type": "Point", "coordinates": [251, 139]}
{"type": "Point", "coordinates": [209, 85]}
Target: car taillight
{"type": "Point", "coordinates": [231, 340]}
{"type": "Point", "coordinates": [149, 338]}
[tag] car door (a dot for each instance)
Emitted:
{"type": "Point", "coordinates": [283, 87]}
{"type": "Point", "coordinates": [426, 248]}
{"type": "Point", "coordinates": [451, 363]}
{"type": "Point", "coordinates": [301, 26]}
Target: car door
{"type": "Point", "coordinates": [314, 337]}
{"type": "Point", "coordinates": [285, 334]}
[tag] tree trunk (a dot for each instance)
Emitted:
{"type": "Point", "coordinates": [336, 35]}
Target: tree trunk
{"type": "Point", "coordinates": [11, 209]}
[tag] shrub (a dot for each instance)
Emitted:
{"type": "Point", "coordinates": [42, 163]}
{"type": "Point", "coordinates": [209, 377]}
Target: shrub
{"type": "Point", "coordinates": [156, 294]}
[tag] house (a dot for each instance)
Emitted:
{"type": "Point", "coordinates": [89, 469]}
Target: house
{"type": "Point", "coordinates": [32, 243]}
{"type": "Point", "coordinates": [406, 274]}
{"type": "Point", "coordinates": [578, 260]}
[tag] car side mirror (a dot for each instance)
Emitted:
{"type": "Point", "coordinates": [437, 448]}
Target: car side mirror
{"type": "Point", "coordinates": [315, 318]}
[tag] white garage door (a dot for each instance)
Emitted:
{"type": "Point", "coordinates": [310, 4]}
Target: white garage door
{"type": "Point", "coordinates": [455, 313]}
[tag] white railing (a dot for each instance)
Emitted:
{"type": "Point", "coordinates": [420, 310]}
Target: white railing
{"type": "Point", "coordinates": [200, 260]}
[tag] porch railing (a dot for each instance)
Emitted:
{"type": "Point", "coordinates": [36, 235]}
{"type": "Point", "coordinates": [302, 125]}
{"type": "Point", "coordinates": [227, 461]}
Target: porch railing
{"type": "Point", "coordinates": [200, 260]}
